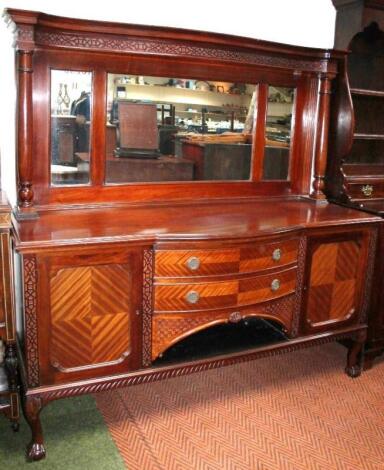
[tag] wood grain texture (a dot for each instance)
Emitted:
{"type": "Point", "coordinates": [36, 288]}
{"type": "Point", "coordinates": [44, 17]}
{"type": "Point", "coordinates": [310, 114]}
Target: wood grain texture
{"type": "Point", "coordinates": [89, 316]}
{"type": "Point", "coordinates": [333, 278]}
{"type": "Point", "coordinates": [251, 258]}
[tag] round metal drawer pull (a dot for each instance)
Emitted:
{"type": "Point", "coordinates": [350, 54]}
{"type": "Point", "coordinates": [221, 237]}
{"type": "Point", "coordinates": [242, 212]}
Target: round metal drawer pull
{"type": "Point", "coordinates": [275, 285]}
{"type": "Point", "coordinates": [192, 297]}
{"type": "Point", "coordinates": [193, 263]}
{"type": "Point", "coordinates": [276, 255]}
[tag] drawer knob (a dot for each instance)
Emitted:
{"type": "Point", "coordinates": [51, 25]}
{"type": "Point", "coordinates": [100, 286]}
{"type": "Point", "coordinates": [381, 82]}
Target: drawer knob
{"type": "Point", "coordinates": [235, 317]}
{"type": "Point", "coordinates": [192, 297]}
{"type": "Point", "coordinates": [193, 263]}
{"type": "Point", "coordinates": [276, 255]}
{"type": "Point", "coordinates": [367, 190]}
{"type": "Point", "coordinates": [275, 285]}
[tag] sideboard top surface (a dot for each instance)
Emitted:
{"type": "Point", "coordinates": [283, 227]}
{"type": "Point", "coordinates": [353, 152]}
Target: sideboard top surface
{"type": "Point", "coordinates": [212, 220]}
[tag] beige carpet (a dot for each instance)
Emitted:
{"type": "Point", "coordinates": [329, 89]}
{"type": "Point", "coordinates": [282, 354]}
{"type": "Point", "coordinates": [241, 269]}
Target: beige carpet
{"type": "Point", "coordinates": [297, 411]}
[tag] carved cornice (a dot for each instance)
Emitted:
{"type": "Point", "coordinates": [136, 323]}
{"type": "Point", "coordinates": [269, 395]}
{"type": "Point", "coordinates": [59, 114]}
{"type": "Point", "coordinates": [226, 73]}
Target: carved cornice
{"type": "Point", "coordinates": [31, 328]}
{"type": "Point", "coordinates": [179, 48]}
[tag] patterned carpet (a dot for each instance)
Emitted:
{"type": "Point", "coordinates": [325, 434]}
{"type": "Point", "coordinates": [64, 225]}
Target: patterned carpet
{"type": "Point", "coordinates": [298, 411]}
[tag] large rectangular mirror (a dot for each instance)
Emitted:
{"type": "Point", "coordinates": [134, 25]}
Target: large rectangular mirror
{"type": "Point", "coordinates": [71, 108]}
{"type": "Point", "coordinates": [171, 129]}
{"type": "Point", "coordinates": [278, 133]}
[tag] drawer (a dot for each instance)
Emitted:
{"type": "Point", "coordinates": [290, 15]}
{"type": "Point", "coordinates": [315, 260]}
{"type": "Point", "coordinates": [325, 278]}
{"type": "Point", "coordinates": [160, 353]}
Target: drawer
{"type": "Point", "coordinates": [366, 190]}
{"type": "Point", "coordinates": [211, 295]}
{"type": "Point", "coordinates": [249, 258]}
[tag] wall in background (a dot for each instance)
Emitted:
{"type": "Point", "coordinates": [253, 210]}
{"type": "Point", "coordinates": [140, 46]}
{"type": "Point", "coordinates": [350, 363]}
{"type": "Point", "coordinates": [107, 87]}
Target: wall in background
{"type": "Point", "coordinates": [302, 22]}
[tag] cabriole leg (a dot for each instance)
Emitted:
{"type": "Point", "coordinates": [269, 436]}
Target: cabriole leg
{"type": "Point", "coordinates": [32, 408]}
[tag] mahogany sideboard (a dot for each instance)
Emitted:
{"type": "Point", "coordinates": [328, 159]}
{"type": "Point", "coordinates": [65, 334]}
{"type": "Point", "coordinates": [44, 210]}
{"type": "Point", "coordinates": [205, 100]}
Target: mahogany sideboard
{"type": "Point", "coordinates": [135, 281]}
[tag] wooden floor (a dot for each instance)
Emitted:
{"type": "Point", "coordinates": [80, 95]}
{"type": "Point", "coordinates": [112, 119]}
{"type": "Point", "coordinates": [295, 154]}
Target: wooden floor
{"type": "Point", "coordinates": [297, 411]}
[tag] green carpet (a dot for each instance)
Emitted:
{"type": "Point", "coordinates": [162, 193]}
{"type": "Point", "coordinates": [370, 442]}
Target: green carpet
{"type": "Point", "coordinates": [76, 437]}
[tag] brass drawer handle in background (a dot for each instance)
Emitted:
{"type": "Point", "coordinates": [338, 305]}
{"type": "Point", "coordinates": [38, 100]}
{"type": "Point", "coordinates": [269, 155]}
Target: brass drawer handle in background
{"type": "Point", "coordinates": [276, 255]}
{"type": "Point", "coordinates": [192, 297]}
{"type": "Point", "coordinates": [275, 285]}
{"type": "Point", "coordinates": [193, 263]}
{"type": "Point", "coordinates": [367, 190]}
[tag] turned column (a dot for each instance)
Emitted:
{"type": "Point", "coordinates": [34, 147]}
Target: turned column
{"type": "Point", "coordinates": [322, 138]}
{"type": "Point", "coordinates": [25, 129]}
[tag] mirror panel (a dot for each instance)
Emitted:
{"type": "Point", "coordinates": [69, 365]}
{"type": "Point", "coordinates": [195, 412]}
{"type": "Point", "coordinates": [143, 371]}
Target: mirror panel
{"type": "Point", "coordinates": [278, 133]}
{"type": "Point", "coordinates": [170, 129]}
{"type": "Point", "coordinates": [71, 109]}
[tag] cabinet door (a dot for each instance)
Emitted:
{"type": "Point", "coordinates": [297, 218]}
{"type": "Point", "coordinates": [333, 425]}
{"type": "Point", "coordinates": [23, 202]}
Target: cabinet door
{"type": "Point", "coordinates": [88, 314]}
{"type": "Point", "coordinates": [339, 266]}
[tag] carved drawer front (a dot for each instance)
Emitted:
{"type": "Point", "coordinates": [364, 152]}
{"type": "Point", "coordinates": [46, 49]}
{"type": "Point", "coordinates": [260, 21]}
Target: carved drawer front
{"type": "Point", "coordinates": [250, 258]}
{"type": "Point", "coordinates": [211, 295]}
{"type": "Point", "coordinates": [168, 329]}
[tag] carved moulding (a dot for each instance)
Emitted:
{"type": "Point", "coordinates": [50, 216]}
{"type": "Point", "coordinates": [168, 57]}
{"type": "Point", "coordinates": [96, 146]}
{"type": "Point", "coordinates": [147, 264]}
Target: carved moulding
{"type": "Point", "coordinates": [172, 48]}
{"type": "Point", "coordinates": [31, 327]}
{"type": "Point", "coordinates": [299, 286]}
{"type": "Point", "coordinates": [369, 275]}
{"type": "Point", "coordinates": [147, 306]}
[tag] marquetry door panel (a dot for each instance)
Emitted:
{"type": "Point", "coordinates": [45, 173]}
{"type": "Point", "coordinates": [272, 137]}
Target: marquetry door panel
{"type": "Point", "coordinates": [93, 327]}
{"type": "Point", "coordinates": [90, 316]}
{"type": "Point", "coordinates": [335, 280]}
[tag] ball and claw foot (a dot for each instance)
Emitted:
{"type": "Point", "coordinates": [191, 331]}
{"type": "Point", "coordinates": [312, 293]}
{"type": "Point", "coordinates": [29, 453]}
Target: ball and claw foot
{"type": "Point", "coordinates": [35, 451]}
{"type": "Point", "coordinates": [353, 371]}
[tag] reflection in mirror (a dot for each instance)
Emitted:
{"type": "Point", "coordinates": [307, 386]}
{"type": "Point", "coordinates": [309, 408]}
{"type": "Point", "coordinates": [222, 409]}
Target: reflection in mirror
{"type": "Point", "coordinates": [278, 133]}
{"type": "Point", "coordinates": [70, 126]}
{"type": "Point", "coordinates": [171, 129]}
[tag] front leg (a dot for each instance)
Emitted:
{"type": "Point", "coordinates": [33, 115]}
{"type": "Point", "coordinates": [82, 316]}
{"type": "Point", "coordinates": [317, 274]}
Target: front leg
{"type": "Point", "coordinates": [355, 355]}
{"type": "Point", "coordinates": [32, 408]}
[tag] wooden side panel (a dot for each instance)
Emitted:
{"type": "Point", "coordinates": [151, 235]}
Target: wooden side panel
{"type": "Point", "coordinates": [337, 270]}
{"type": "Point", "coordinates": [90, 309]}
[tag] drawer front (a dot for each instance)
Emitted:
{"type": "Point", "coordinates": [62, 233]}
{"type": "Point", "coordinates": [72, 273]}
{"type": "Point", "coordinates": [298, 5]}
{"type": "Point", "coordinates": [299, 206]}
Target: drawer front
{"type": "Point", "coordinates": [250, 258]}
{"type": "Point", "coordinates": [211, 295]}
{"type": "Point", "coordinates": [366, 190]}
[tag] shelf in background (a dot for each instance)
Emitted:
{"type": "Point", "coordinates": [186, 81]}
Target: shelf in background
{"type": "Point", "coordinates": [368, 136]}
{"type": "Point", "coordinates": [367, 92]}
